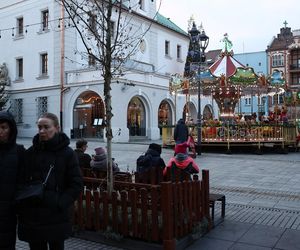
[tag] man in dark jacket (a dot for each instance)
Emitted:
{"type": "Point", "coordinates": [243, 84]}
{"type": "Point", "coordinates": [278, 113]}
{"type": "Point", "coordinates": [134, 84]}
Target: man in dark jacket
{"type": "Point", "coordinates": [150, 159]}
{"type": "Point", "coordinates": [11, 157]}
{"type": "Point", "coordinates": [83, 158]}
{"type": "Point", "coordinates": [181, 132]}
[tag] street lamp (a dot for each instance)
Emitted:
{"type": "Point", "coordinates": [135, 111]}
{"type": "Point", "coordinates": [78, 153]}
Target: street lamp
{"type": "Point", "coordinates": [199, 42]}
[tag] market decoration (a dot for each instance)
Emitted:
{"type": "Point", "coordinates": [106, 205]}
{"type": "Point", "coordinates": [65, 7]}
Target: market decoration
{"type": "Point", "coordinates": [244, 77]}
{"type": "Point", "coordinates": [276, 78]}
{"type": "Point", "coordinates": [298, 97]}
{"type": "Point", "coordinates": [288, 97]}
{"type": "Point", "coordinates": [226, 98]}
{"type": "Point", "coordinates": [175, 83]}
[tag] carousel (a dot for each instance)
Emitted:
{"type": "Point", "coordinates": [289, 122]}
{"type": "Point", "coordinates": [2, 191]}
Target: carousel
{"type": "Point", "coordinates": [228, 81]}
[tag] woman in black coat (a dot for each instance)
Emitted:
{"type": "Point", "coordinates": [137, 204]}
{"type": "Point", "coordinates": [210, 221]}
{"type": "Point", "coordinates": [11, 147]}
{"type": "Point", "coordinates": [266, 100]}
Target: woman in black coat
{"type": "Point", "coordinates": [46, 221]}
{"type": "Point", "coordinates": [11, 156]}
{"type": "Point", "coordinates": [181, 132]}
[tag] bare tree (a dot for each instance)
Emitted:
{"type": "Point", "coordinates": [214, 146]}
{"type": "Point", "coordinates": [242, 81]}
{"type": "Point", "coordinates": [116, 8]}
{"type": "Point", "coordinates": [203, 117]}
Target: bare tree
{"type": "Point", "coordinates": [110, 31]}
{"type": "Point", "coordinates": [4, 82]}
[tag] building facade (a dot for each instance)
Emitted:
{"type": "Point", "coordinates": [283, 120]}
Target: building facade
{"type": "Point", "coordinates": [283, 55]}
{"type": "Point", "coordinates": [39, 47]}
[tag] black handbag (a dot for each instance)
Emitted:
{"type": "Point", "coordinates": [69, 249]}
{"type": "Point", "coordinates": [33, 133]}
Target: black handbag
{"type": "Point", "coordinates": [34, 189]}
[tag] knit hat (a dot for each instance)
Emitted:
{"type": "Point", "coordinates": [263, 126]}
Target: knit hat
{"type": "Point", "coordinates": [181, 148]}
{"type": "Point", "coordinates": [155, 147]}
{"type": "Point", "coordinates": [99, 151]}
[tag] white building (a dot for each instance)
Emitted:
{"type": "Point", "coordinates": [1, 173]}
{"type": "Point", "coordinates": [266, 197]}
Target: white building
{"type": "Point", "coordinates": [47, 75]}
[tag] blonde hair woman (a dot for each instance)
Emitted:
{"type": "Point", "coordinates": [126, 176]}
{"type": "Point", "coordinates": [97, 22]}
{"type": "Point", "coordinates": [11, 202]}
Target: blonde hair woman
{"type": "Point", "coordinates": [45, 221]}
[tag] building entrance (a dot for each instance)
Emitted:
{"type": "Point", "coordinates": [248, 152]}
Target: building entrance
{"type": "Point", "coordinates": [136, 119]}
{"type": "Point", "coordinates": [88, 116]}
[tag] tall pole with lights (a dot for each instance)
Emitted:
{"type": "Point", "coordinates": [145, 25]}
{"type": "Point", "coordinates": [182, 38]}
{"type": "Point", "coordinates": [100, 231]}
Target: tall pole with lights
{"type": "Point", "coordinates": [198, 43]}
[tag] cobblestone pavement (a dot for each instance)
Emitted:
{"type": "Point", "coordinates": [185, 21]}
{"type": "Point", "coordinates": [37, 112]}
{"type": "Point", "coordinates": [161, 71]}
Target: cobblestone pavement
{"type": "Point", "coordinates": [259, 189]}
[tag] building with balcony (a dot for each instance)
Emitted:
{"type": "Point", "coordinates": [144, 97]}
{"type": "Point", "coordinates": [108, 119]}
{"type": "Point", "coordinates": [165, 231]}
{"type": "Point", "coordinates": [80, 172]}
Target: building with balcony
{"type": "Point", "coordinates": [283, 54]}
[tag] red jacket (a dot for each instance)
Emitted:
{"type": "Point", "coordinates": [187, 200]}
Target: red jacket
{"type": "Point", "coordinates": [182, 161]}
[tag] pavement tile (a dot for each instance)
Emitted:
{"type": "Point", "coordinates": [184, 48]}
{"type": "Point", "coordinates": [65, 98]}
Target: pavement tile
{"type": "Point", "coordinates": [290, 240]}
{"type": "Point", "coordinates": [289, 205]}
{"type": "Point", "coordinates": [211, 244]}
{"type": "Point", "coordinates": [243, 246]}
{"type": "Point", "coordinates": [228, 230]}
{"type": "Point", "coordinates": [262, 202]}
{"type": "Point", "coordinates": [262, 236]}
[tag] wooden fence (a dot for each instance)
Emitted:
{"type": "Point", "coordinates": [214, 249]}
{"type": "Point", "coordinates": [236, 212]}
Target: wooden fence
{"type": "Point", "coordinates": [154, 213]}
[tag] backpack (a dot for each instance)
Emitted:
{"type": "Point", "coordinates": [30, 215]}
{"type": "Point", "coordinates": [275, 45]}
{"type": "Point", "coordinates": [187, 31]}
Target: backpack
{"type": "Point", "coordinates": [143, 163]}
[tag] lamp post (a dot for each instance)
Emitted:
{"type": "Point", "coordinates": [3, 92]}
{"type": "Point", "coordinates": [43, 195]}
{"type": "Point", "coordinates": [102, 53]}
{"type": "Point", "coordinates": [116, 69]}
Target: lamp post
{"type": "Point", "coordinates": [199, 42]}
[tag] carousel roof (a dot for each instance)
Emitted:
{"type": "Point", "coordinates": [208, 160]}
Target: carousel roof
{"type": "Point", "coordinates": [226, 65]}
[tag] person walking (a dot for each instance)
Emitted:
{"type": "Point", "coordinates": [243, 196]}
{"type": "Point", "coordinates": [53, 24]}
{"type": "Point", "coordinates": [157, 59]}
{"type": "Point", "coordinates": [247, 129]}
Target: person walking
{"type": "Point", "coordinates": [83, 158]}
{"type": "Point", "coordinates": [181, 132]}
{"type": "Point", "coordinates": [11, 157]}
{"type": "Point", "coordinates": [45, 221]}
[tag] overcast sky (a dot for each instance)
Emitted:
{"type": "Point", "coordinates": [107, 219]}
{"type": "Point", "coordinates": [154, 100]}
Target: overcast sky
{"type": "Point", "coordinates": [250, 24]}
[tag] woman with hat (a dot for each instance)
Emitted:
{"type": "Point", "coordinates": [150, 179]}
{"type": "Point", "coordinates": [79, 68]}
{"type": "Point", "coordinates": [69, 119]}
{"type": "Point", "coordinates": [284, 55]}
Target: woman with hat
{"type": "Point", "coordinates": [99, 161]}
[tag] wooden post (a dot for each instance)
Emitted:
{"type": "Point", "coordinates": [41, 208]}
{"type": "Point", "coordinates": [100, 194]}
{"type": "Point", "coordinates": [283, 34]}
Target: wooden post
{"type": "Point", "coordinates": [167, 216]}
{"type": "Point", "coordinates": [205, 193]}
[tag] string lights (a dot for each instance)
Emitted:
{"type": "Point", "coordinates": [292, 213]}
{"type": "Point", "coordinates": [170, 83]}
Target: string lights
{"type": "Point", "coordinates": [15, 28]}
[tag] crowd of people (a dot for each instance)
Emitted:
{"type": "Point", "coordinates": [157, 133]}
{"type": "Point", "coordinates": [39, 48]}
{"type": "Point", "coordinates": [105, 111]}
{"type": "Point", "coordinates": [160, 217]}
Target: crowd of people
{"type": "Point", "coordinates": [41, 216]}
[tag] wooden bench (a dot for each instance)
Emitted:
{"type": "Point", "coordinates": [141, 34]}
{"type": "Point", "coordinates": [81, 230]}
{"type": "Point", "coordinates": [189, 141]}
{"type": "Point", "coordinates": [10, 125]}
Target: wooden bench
{"type": "Point", "coordinates": [213, 198]}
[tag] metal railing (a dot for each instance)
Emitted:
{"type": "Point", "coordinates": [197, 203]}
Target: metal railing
{"type": "Point", "coordinates": [259, 134]}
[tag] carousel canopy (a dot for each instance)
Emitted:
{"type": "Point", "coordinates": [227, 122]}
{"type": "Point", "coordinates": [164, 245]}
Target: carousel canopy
{"type": "Point", "coordinates": [225, 72]}
{"type": "Point", "coordinates": [226, 65]}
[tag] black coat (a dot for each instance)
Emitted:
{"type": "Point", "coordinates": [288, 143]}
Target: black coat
{"type": "Point", "coordinates": [49, 218]}
{"type": "Point", "coordinates": [11, 158]}
{"type": "Point", "coordinates": [181, 132]}
{"type": "Point", "coordinates": [150, 159]}
{"type": "Point", "coordinates": [83, 158]}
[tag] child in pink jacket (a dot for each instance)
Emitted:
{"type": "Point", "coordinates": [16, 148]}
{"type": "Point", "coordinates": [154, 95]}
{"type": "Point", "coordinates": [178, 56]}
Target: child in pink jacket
{"type": "Point", "coordinates": [182, 160]}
